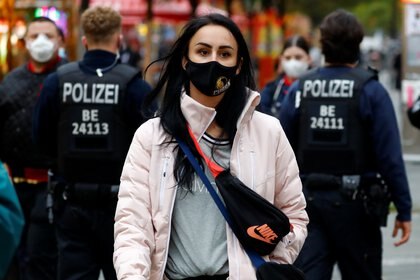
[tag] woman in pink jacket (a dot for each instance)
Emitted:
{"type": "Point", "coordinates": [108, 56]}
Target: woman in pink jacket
{"type": "Point", "coordinates": [167, 225]}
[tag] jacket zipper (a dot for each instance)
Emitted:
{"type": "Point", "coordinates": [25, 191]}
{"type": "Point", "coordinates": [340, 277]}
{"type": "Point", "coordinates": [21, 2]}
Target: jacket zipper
{"type": "Point", "coordinates": [252, 156]}
{"type": "Point", "coordinates": [163, 180]}
{"type": "Point", "coordinates": [169, 235]}
{"type": "Point", "coordinates": [236, 246]}
{"type": "Point", "coordinates": [161, 197]}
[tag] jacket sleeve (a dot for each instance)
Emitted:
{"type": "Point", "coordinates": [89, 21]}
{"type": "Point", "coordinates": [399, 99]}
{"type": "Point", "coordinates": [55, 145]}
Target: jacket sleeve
{"type": "Point", "coordinates": [133, 229]}
{"type": "Point", "coordinates": [291, 200]}
{"type": "Point", "coordinates": [11, 221]}
{"type": "Point", "coordinates": [414, 113]}
{"type": "Point", "coordinates": [377, 109]}
{"type": "Point", "coordinates": [45, 116]}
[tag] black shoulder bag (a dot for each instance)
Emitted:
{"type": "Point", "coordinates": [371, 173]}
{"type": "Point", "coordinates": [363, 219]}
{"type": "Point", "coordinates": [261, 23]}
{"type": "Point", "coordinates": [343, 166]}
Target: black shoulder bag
{"type": "Point", "coordinates": [241, 199]}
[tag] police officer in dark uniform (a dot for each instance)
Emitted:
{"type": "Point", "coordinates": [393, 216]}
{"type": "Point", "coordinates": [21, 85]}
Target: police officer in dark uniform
{"type": "Point", "coordinates": [86, 116]}
{"type": "Point", "coordinates": [19, 91]}
{"type": "Point", "coordinates": [342, 126]}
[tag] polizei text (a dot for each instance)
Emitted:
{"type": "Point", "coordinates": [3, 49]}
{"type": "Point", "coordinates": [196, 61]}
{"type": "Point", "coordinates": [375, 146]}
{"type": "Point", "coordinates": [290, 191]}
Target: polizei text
{"type": "Point", "coordinates": [328, 88]}
{"type": "Point", "coordinates": [97, 94]}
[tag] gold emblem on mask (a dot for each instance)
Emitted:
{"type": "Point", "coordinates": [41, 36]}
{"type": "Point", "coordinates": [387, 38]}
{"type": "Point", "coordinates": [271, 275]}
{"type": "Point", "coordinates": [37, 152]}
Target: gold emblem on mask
{"type": "Point", "coordinates": [221, 82]}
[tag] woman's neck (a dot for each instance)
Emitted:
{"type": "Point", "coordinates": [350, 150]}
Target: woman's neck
{"type": "Point", "coordinates": [215, 131]}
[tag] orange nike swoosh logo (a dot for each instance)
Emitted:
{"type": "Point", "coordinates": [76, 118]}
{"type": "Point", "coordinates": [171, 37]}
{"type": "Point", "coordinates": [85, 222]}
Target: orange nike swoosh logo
{"type": "Point", "coordinates": [251, 232]}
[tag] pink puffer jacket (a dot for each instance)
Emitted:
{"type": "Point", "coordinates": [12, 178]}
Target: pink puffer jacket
{"type": "Point", "coordinates": [261, 157]}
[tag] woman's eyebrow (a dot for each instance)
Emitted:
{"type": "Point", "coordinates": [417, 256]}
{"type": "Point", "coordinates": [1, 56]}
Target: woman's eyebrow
{"type": "Point", "coordinates": [210, 46]}
{"type": "Point", "coordinates": [203, 44]}
{"type": "Point", "coordinates": [226, 47]}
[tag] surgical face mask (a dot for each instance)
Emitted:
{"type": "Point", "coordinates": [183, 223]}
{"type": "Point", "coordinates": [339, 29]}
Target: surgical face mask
{"type": "Point", "coordinates": [294, 68]}
{"type": "Point", "coordinates": [41, 49]}
{"type": "Point", "coordinates": [211, 78]}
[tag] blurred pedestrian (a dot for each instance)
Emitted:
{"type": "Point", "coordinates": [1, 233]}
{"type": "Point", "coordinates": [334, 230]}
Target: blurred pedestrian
{"type": "Point", "coordinates": [294, 61]}
{"type": "Point", "coordinates": [11, 221]}
{"type": "Point", "coordinates": [130, 52]}
{"type": "Point", "coordinates": [414, 113]}
{"type": "Point", "coordinates": [398, 70]}
{"type": "Point", "coordinates": [342, 126]}
{"type": "Point", "coordinates": [19, 91]}
{"type": "Point", "coordinates": [167, 225]}
{"type": "Point", "coordinates": [86, 117]}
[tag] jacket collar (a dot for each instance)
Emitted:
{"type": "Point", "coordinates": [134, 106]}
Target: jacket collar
{"type": "Point", "coordinates": [199, 117]}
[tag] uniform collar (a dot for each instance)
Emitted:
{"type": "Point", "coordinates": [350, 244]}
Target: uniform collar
{"type": "Point", "coordinates": [98, 58]}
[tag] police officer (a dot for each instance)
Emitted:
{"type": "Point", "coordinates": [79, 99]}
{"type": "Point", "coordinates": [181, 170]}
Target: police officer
{"type": "Point", "coordinates": [342, 126]}
{"type": "Point", "coordinates": [19, 92]}
{"type": "Point", "coordinates": [86, 116]}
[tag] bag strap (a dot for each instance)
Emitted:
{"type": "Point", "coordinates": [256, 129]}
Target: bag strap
{"type": "Point", "coordinates": [214, 168]}
{"type": "Point", "coordinates": [256, 259]}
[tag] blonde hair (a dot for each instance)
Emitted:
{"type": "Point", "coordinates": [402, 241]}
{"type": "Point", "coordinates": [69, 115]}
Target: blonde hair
{"type": "Point", "coordinates": [100, 23]}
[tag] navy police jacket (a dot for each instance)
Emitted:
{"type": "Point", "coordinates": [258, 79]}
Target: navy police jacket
{"type": "Point", "coordinates": [377, 111]}
{"type": "Point", "coordinates": [47, 110]}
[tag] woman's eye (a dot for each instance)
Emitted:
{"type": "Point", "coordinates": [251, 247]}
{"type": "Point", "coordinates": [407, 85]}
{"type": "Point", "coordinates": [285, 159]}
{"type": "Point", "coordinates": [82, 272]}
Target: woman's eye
{"type": "Point", "coordinates": [203, 52]}
{"type": "Point", "coordinates": [225, 54]}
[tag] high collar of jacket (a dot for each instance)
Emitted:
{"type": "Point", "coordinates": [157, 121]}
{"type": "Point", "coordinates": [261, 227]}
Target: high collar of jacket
{"type": "Point", "coordinates": [199, 117]}
{"type": "Point", "coordinates": [98, 58]}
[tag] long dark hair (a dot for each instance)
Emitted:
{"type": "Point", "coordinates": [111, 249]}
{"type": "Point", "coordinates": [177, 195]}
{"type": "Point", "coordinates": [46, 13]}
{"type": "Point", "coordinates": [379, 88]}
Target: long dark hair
{"type": "Point", "coordinates": [173, 78]}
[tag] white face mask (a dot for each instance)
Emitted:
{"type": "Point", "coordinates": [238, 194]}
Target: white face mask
{"type": "Point", "coordinates": [41, 49]}
{"type": "Point", "coordinates": [294, 68]}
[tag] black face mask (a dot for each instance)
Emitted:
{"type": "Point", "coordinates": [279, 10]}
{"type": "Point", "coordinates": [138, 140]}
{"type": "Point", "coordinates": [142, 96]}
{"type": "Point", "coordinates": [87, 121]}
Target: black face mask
{"type": "Point", "coordinates": [211, 78]}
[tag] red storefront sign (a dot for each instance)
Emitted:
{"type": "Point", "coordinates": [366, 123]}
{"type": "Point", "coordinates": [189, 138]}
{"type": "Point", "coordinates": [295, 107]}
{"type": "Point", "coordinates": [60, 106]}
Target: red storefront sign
{"type": "Point", "coordinates": [135, 11]}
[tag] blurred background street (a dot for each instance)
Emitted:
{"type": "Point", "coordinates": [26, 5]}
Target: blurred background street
{"type": "Point", "coordinates": [149, 27]}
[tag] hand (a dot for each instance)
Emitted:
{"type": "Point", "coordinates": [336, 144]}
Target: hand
{"type": "Point", "coordinates": [406, 231]}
